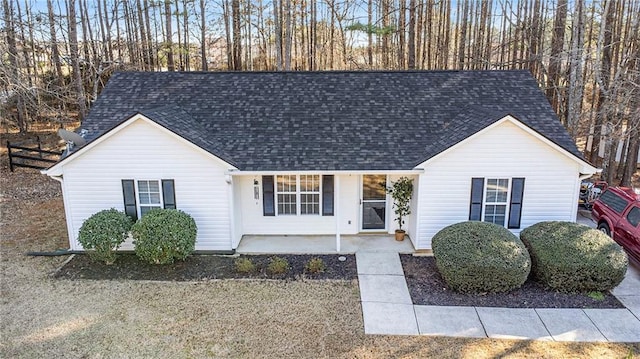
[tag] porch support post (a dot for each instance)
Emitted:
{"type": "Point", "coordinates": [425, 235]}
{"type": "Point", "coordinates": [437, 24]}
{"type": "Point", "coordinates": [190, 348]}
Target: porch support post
{"type": "Point", "coordinates": [336, 207]}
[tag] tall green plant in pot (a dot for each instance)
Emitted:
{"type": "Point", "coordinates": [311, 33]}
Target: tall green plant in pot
{"type": "Point", "coordinates": [401, 191]}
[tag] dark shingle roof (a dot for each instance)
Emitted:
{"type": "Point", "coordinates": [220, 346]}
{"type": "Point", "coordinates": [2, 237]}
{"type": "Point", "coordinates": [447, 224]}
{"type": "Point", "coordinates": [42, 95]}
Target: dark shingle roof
{"type": "Point", "coordinates": [326, 120]}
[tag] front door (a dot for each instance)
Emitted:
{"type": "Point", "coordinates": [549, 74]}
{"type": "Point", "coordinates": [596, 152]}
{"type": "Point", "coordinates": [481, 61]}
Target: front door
{"type": "Point", "coordinates": [374, 202]}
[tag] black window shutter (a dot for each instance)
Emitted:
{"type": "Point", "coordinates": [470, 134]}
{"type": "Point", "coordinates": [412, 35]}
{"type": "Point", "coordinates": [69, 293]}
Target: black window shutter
{"type": "Point", "coordinates": [169, 194]}
{"type": "Point", "coordinates": [129, 193]}
{"type": "Point", "coordinates": [515, 208]}
{"type": "Point", "coordinates": [268, 203]}
{"type": "Point", "coordinates": [327, 195]}
{"type": "Point", "coordinates": [477, 191]}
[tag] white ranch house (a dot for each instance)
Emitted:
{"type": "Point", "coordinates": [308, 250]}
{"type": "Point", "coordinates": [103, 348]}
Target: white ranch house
{"type": "Point", "coordinates": [306, 153]}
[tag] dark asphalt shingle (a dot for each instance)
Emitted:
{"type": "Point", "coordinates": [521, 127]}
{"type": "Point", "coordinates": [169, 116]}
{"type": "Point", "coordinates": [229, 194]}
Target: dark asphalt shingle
{"type": "Point", "coordinates": [326, 120]}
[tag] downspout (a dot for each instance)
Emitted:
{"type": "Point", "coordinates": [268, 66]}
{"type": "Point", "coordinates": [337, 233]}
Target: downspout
{"type": "Point", "coordinates": [336, 197]}
{"type": "Point", "coordinates": [67, 214]}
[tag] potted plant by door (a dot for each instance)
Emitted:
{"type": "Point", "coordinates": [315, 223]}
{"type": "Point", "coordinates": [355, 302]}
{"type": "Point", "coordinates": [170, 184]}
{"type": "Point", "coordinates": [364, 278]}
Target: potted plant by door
{"type": "Point", "coordinates": [401, 191]}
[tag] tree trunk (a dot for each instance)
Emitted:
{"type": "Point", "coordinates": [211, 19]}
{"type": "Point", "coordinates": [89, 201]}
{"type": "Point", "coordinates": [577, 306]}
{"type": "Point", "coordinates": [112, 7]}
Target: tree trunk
{"type": "Point", "coordinates": [169, 36]}
{"type": "Point", "coordinates": [203, 37]}
{"type": "Point", "coordinates": [75, 63]}
{"type": "Point", "coordinates": [555, 61]}
{"type": "Point", "coordinates": [55, 54]}
{"type": "Point", "coordinates": [604, 75]}
{"type": "Point", "coordinates": [14, 81]}
{"type": "Point", "coordinates": [152, 51]}
{"type": "Point", "coordinates": [463, 36]}
{"type": "Point", "coordinates": [402, 15]}
{"type": "Point", "coordinates": [411, 60]}
{"type": "Point", "coordinates": [277, 19]}
{"type": "Point", "coordinates": [179, 35]}
{"type": "Point", "coordinates": [185, 41]}
{"type": "Point", "coordinates": [576, 87]}
{"type": "Point", "coordinates": [237, 41]}
{"type": "Point", "coordinates": [143, 37]}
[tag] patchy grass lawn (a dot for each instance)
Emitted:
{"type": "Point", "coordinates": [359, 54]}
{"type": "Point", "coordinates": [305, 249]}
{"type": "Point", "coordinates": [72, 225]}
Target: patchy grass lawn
{"type": "Point", "coordinates": [54, 318]}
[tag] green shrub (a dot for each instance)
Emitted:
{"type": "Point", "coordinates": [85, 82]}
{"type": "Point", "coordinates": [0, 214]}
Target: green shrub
{"type": "Point", "coordinates": [244, 265]}
{"type": "Point", "coordinates": [570, 257]}
{"type": "Point", "coordinates": [102, 234]}
{"type": "Point", "coordinates": [278, 265]}
{"type": "Point", "coordinates": [163, 235]}
{"type": "Point", "coordinates": [480, 257]}
{"type": "Point", "coordinates": [315, 265]}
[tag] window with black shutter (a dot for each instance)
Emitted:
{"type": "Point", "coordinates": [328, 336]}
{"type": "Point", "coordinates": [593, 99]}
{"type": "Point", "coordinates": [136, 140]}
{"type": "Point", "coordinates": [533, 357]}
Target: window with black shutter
{"type": "Point", "coordinates": [268, 202]}
{"type": "Point", "coordinates": [515, 206]}
{"type": "Point", "coordinates": [168, 194]}
{"type": "Point", "coordinates": [477, 192]}
{"type": "Point", "coordinates": [327, 195]}
{"type": "Point", "coordinates": [129, 194]}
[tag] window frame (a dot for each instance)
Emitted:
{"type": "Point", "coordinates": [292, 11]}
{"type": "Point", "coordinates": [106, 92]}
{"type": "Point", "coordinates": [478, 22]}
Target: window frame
{"type": "Point", "coordinates": [139, 203]}
{"type": "Point", "coordinates": [506, 203]}
{"type": "Point", "coordinates": [298, 195]}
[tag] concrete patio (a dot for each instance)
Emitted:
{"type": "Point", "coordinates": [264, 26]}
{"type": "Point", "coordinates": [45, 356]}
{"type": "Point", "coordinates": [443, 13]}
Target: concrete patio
{"type": "Point", "coordinates": [313, 244]}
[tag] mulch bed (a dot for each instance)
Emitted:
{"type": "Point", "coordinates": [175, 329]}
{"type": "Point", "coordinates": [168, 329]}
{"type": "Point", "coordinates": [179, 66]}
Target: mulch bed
{"type": "Point", "coordinates": [204, 267]}
{"type": "Point", "coordinates": [427, 287]}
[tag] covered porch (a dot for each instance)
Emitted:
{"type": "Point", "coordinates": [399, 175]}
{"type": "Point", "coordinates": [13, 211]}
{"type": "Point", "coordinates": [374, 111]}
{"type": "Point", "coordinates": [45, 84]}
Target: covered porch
{"type": "Point", "coordinates": [322, 244]}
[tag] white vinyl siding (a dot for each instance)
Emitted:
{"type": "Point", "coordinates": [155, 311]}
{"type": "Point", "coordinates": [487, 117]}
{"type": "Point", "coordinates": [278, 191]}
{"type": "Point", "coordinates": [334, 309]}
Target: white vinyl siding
{"type": "Point", "coordinates": [444, 188]}
{"type": "Point", "coordinates": [143, 151]}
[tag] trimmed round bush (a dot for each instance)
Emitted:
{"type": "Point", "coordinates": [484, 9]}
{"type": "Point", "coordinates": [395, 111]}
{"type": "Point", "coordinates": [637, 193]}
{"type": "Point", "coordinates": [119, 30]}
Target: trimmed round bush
{"type": "Point", "coordinates": [102, 234]}
{"type": "Point", "coordinates": [480, 257]}
{"type": "Point", "coordinates": [164, 235]}
{"type": "Point", "coordinates": [570, 257]}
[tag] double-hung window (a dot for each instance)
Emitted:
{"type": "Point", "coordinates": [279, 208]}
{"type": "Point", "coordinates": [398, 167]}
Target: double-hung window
{"type": "Point", "coordinates": [149, 196]}
{"type": "Point", "coordinates": [297, 195]}
{"type": "Point", "coordinates": [287, 193]}
{"type": "Point", "coordinates": [141, 196]}
{"type": "Point", "coordinates": [309, 194]}
{"type": "Point", "coordinates": [495, 205]}
{"type": "Point", "coordinates": [497, 200]}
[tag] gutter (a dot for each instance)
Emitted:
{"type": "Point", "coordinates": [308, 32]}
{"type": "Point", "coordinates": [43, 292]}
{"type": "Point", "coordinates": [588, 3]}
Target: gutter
{"type": "Point", "coordinates": [416, 171]}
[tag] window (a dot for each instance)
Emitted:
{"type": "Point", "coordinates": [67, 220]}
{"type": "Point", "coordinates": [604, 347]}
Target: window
{"type": "Point", "coordinates": [297, 194]}
{"type": "Point", "coordinates": [143, 195]}
{"type": "Point", "coordinates": [613, 201]}
{"type": "Point", "coordinates": [309, 194]}
{"type": "Point", "coordinates": [495, 209]}
{"type": "Point", "coordinates": [497, 200]}
{"type": "Point", "coordinates": [286, 189]}
{"type": "Point", "coordinates": [149, 196]}
{"type": "Point", "coordinates": [634, 216]}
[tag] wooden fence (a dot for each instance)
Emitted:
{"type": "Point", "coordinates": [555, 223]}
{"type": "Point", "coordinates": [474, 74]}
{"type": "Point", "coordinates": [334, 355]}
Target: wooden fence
{"type": "Point", "coordinates": [30, 155]}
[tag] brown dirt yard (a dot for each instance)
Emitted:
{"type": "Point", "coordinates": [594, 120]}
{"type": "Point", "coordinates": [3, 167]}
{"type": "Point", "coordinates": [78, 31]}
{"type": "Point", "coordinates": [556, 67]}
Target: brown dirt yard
{"type": "Point", "coordinates": [55, 318]}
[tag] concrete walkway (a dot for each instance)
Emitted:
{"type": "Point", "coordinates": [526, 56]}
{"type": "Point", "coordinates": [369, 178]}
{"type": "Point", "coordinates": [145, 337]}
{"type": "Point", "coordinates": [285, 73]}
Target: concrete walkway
{"type": "Point", "coordinates": [387, 308]}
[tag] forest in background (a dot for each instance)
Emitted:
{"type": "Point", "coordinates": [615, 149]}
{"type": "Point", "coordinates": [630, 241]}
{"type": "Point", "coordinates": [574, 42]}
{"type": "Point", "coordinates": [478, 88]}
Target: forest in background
{"type": "Point", "coordinates": [57, 55]}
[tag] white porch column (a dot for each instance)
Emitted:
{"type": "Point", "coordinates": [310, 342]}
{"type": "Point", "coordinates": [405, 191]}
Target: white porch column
{"type": "Point", "coordinates": [336, 206]}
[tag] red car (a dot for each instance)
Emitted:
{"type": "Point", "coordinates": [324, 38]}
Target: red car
{"type": "Point", "coordinates": [617, 213]}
